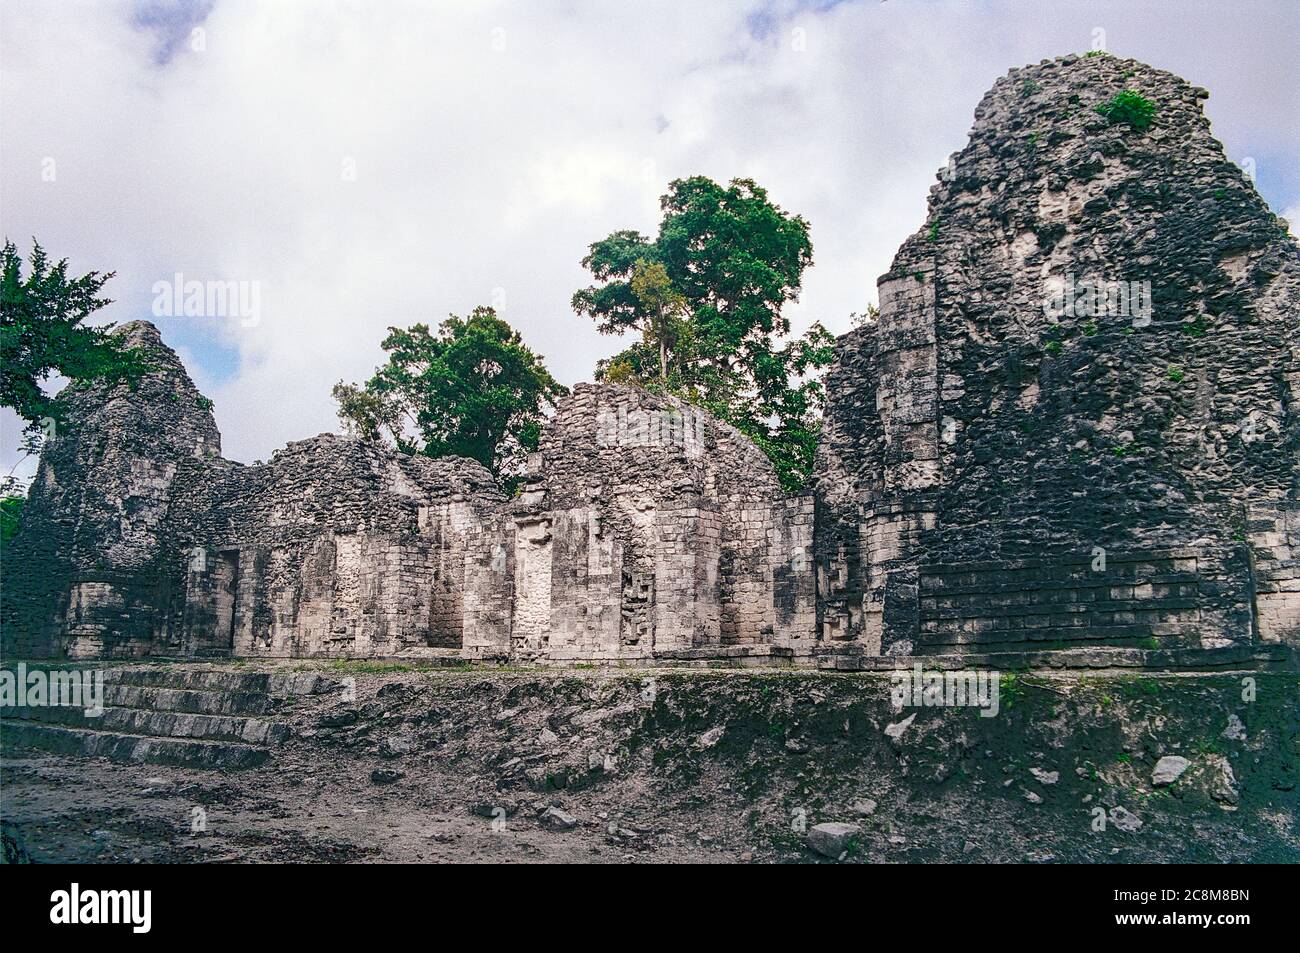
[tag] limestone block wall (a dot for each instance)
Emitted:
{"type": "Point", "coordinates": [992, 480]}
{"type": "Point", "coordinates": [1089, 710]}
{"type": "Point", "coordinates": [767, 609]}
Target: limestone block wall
{"type": "Point", "coordinates": [1274, 535]}
{"type": "Point", "coordinates": [647, 526]}
{"type": "Point", "coordinates": [335, 547]}
{"type": "Point", "coordinates": [790, 557]}
{"type": "Point", "coordinates": [487, 592]}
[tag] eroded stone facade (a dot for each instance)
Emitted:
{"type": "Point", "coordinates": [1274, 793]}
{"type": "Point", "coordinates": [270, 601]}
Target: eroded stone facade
{"type": "Point", "coordinates": [646, 529]}
{"type": "Point", "coordinates": [650, 528]}
{"type": "Point", "coordinates": [1009, 461]}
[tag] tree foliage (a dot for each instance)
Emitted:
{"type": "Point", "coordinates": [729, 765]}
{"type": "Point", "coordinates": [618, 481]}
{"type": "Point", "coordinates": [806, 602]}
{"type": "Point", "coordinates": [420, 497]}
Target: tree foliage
{"type": "Point", "coordinates": [715, 333]}
{"type": "Point", "coordinates": [11, 511]}
{"type": "Point", "coordinates": [42, 334]}
{"type": "Point", "coordinates": [662, 307]}
{"type": "Point", "coordinates": [470, 389]}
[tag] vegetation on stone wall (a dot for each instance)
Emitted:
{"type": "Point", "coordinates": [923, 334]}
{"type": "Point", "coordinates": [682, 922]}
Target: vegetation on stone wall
{"type": "Point", "coordinates": [471, 389]}
{"type": "Point", "coordinates": [707, 296]}
{"type": "Point", "coordinates": [11, 509]}
{"type": "Point", "coordinates": [1129, 107]}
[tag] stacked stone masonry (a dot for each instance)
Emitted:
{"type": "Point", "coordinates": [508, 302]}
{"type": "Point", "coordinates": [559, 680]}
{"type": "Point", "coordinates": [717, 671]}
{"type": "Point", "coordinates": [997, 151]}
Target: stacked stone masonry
{"type": "Point", "coordinates": [1008, 461]}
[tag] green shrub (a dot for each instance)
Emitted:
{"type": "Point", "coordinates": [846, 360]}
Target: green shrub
{"type": "Point", "coordinates": [1130, 107]}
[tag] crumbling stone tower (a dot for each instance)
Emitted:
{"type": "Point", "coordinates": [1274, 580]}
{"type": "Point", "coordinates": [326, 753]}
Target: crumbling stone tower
{"type": "Point", "coordinates": [83, 577]}
{"type": "Point", "coordinates": [1020, 451]}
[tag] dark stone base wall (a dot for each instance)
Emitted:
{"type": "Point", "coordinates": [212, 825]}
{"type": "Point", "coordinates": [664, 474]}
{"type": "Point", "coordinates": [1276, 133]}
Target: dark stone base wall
{"type": "Point", "coordinates": [1183, 598]}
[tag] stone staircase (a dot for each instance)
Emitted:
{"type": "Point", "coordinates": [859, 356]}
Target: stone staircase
{"type": "Point", "coordinates": [162, 714]}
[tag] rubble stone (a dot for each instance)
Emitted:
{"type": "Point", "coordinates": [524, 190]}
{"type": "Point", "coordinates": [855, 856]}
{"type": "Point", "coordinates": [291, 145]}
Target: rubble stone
{"type": "Point", "coordinates": [834, 838]}
{"type": "Point", "coordinates": [1168, 770]}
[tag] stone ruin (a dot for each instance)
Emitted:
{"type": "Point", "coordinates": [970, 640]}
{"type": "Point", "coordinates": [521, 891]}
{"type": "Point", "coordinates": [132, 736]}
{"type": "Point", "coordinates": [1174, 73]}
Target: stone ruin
{"type": "Point", "coordinates": [1074, 424]}
{"type": "Point", "coordinates": [645, 529]}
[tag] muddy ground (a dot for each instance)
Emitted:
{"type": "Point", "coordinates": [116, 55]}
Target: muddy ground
{"type": "Point", "coordinates": [400, 765]}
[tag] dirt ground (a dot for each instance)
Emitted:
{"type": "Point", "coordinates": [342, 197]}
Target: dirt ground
{"type": "Point", "coordinates": [702, 767]}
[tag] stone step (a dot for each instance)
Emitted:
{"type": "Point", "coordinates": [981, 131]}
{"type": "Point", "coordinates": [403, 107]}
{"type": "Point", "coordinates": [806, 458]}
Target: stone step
{"type": "Point", "coordinates": [211, 755]}
{"type": "Point", "coordinates": [164, 724]}
{"type": "Point", "coordinates": [278, 684]}
{"type": "Point", "coordinates": [985, 640]}
{"type": "Point", "coordinates": [1001, 610]}
{"type": "Point", "coordinates": [189, 700]}
{"type": "Point", "coordinates": [1082, 580]}
{"type": "Point", "coordinates": [1171, 659]}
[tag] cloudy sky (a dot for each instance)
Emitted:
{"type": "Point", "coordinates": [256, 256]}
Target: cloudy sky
{"type": "Point", "coordinates": [378, 162]}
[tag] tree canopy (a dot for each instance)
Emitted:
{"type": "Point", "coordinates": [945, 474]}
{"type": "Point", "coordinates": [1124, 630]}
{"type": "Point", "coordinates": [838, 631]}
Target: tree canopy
{"type": "Point", "coordinates": [42, 334]}
{"type": "Point", "coordinates": [470, 389]}
{"type": "Point", "coordinates": [708, 295]}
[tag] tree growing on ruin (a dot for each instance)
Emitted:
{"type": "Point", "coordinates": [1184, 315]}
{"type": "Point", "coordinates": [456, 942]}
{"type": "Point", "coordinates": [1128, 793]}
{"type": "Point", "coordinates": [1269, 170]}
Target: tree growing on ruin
{"type": "Point", "coordinates": [662, 306]}
{"type": "Point", "coordinates": [471, 389]}
{"type": "Point", "coordinates": [708, 295]}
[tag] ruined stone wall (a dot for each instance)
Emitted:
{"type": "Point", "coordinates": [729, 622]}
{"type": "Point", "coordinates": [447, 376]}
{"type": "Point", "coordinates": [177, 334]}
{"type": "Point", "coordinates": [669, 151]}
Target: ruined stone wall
{"type": "Point", "coordinates": [335, 547]}
{"type": "Point", "coordinates": [972, 426]}
{"type": "Point", "coordinates": [648, 527]}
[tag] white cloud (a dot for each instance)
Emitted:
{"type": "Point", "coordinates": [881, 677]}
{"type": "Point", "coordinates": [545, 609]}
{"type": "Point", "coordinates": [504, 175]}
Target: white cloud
{"type": "Point", "coordinates": [493, 142]}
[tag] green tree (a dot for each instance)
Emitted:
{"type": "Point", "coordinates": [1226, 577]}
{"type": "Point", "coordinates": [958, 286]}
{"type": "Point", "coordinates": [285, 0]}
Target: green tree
{"type": "Point", "coordinates": [41, 333]}
{"type": "Point", "coordinates": [471, 389]}
{"type": "Point", "coordinates": [732, 260]}
{"type": "Point", "coordinates": [661, 306]}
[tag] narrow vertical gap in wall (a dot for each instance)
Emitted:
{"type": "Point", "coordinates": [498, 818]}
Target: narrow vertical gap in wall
{"type": "Point", "coordinates": [227, 596]}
